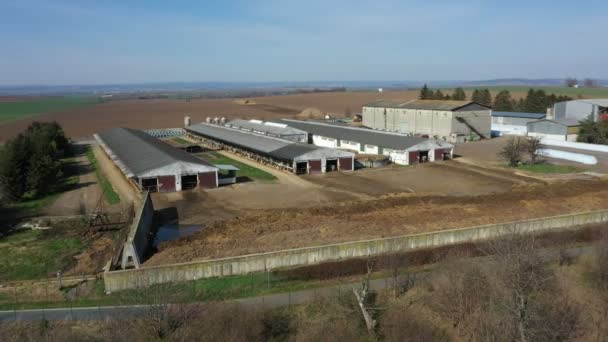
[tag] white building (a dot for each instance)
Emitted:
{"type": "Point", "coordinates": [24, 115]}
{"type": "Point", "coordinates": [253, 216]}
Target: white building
{"type": "Point", "coordinates": [513, 123]}
{"type": "Point", "coordinates": [581, 109]}
{"type": "Point", "coordinates": [452, 121]}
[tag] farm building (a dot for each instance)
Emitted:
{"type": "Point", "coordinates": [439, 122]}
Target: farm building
{"type": "Point", "coordinates": [556, 129]}
{"type": "Point", "coordinates": [283, 154]}
{"type": "Point", "coordinates": [271, 129]}
{"type": "Point", "coordinates": [513, 122]}
{"type": "Point", "coordinates": [400, 148]}
{"type": "Point", "coordinates": [154, 165]}
{"type": "Point", "coordinates": [581, 109]}
{"type": "Point", "coordinates": [452, 121]}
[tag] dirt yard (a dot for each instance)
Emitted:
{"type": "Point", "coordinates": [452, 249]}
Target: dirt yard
{"type": "Point", "coordinates": [271, 230]}
{"type": "Point", "coordinates": [290, 191]}
{"type": "Point", "coordinates": [485, 152]}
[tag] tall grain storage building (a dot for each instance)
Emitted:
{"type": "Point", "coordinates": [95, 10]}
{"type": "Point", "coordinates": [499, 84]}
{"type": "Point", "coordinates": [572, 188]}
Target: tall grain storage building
{"type": "Point", "coordinates": [451, 121]}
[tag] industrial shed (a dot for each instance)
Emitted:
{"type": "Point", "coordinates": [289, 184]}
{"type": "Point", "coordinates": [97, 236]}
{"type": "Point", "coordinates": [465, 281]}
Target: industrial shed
{"type": "Point", "coordinates": [513, 123]}
{"type": "Point", "coordinates": [595, 109]}
{"type": "Point", "coordinates": [283, 154]}
{"type": "Point", "coordinates": [452, 121]}
{"type": "Point", "coordinates": [271, 129]}
{"type": "Point", "coordinates": [154, 165]}
{"type": "Point", "coordinates": [556, 129]}
{"type": "Point", "coordinates": [400, 148]}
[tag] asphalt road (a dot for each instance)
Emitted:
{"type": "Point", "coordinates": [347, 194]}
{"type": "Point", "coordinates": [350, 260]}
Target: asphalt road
{"type": "Point", "coordinates": [262, 302]}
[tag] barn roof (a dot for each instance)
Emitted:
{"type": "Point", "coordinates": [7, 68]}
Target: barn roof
{"type": "Point", "coordinates": [537, 116]}
{"type": "Point", "coordinates": [366, 136]}
{"type": "Point", "coordinates": [450, 105]}
{"type": "Point", "coordinates": [139, 154]}
{"type": "Point", "coordinates": [262, 144]}
{"type": "Point", "coordinates": [266, 128]}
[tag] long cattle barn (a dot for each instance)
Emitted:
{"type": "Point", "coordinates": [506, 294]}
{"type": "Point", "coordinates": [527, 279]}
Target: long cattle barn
{"type": "Point", "coordinates": [283, 154]}
{"type": "Point", "coordinates": [400, 148]}
{"type": "Point", "coordinates": [271, 129]}
{"type": "Point", "coordinates": [154, 165]}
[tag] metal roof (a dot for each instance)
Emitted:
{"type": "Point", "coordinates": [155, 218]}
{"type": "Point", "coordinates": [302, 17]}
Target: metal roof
{"type": "Point", "coordinates": [595, 102]}
{"type": "Point", "coordinates": [566, 122]}
{"type": "Point", "coordinates": [450, 105]}
{"type": "Point", "coordinates": [227, 167]}
{"type": "Point", "coordinates": [263, 127]}
{"type": "Point", "coordinates": [537, 116]}
{"type": "Point", "coordinates": [262, 144]}
{"type": "Point", "coordinates": [366, 136]}
{"type": "Point", "coordinates": [138, 153]}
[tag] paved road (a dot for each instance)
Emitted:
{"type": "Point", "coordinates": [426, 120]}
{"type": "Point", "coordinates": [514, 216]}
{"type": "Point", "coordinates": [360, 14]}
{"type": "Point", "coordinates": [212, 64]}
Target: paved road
{"type": "Point", "coordinates": [265, 302]}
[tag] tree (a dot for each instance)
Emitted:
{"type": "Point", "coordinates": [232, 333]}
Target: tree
{"type": "Point", "coordinates": [504, 102]}
{"type": "Point", "coordinates": [590, 83]}
{"type": "Point", "coordinates": [513, 150]}
{"type": "Point", "coordinates": [486, 98]}
{"type": "Point", "coordinates": [476, 96]}
{"type": "Point", "coordinates": [438, 95]}
{"type": "Point", "coordinates": [459, 94]}
{"type": "Point", "coordinates": [571, 82]}
{"type": "Point", "coordinates": [425, 93]}
{"type": "Point", "coordinates": [593, 132]}
{"type": "Point", "coordinates": [532, 145]}
{"type": "Point", "coordinates": [28, 163]}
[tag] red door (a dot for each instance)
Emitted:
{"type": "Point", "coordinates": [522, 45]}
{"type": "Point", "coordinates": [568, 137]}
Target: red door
{"type": "Point", "coordinates": [413, 158]}
{"type": "Point", "coordinates": [166, 183]}
{"type": "Point", "coordinates": [346, 164]}
{"type": "Point", "coordinates": [438, 154]}
{"type": "Point", "coordinates": [315, 166]}
{"type": "Point", "coordinates": [207, 180]}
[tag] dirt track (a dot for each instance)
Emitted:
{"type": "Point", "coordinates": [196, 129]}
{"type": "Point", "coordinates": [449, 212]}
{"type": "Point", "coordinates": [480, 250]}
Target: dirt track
{"type": "Point", "coordinates": [271, 230]}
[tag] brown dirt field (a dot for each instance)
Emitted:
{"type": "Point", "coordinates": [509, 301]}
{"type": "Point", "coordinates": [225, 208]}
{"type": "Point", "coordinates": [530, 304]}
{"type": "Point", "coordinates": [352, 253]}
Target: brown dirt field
{"type": "Point", "coordinates": [147, 114]}
{"type": "Point", "coordinates": [272, 230]}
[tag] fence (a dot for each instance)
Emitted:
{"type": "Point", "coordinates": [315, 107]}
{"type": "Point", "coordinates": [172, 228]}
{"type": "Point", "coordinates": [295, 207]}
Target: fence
{"type": "Point", "coordinates": [128, 279]}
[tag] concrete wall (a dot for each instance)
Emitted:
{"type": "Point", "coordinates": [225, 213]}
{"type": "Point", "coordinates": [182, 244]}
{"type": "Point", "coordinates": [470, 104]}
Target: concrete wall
{"type": "Point", "coordinates": [121, 280]}
{"type": "Point", "coordinates": [138, 242]}
{"type": "Point", "coordinates": [434, 123]}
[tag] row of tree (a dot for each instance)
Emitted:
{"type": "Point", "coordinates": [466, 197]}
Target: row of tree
{"type": "Point", "coordinates": [536, 101]}
{"type": "Point", "coordinates": [29, 163]}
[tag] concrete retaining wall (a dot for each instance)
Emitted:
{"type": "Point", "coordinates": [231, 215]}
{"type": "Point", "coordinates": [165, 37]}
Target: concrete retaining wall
{"type": "Point", "coordinates": [127, 279]}
{"type": "Point", "coordinates": [138, 242]}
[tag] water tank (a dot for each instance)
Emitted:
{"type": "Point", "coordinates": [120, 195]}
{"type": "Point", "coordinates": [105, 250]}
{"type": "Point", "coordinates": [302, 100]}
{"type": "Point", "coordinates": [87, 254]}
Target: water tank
{"type": "Point", "coordinates": [208, 120]}
{"type": "Point", "coordinates": [187, 121]}
{"type": "Point", "coordinates": [216, 120]}
{"type": "Point", "coordinates": [222, 120]}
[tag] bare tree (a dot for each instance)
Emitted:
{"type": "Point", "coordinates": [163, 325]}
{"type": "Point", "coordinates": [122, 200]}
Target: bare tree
{"type": "Point", "coordinates": [590, 83]}
{"type": "Point", "coordinates": [533, 144]}
{"type": "Point", "coordinates": [570, 82]}
{"type": "Point", "coordinates": [513, 150]}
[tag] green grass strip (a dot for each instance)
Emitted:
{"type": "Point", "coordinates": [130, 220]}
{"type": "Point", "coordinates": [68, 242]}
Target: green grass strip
{"type": "Point", "coordinates": [108, 191]}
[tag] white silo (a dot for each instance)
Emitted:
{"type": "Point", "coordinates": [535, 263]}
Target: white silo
{"type": "Point", "coordinates": [187, 121]}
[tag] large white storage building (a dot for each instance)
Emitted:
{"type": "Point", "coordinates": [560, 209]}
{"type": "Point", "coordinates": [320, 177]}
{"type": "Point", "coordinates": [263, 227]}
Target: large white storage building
{"type": "Point", "coordinates": [452, 121]}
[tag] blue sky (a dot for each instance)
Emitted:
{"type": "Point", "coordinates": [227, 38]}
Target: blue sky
{"type": "Point", "coordinates": [113, 41]}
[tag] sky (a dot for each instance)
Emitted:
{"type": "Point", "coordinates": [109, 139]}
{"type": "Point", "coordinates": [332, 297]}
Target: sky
{"type": "Point", "coordinates": [60, 42]}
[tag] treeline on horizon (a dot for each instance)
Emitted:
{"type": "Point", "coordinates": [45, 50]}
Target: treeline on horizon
{"type": "Point", "coordinates": [536, 100]}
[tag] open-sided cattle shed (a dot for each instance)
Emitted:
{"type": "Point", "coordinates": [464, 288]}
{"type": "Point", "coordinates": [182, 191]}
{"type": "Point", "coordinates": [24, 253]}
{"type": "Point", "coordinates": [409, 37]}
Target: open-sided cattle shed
{"type": "Point", "coordinates": [400, 148]}
{"type": "Point", "coordinates": [284, 154]}
{"type": "Point", "coordinates": [153, 164]}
